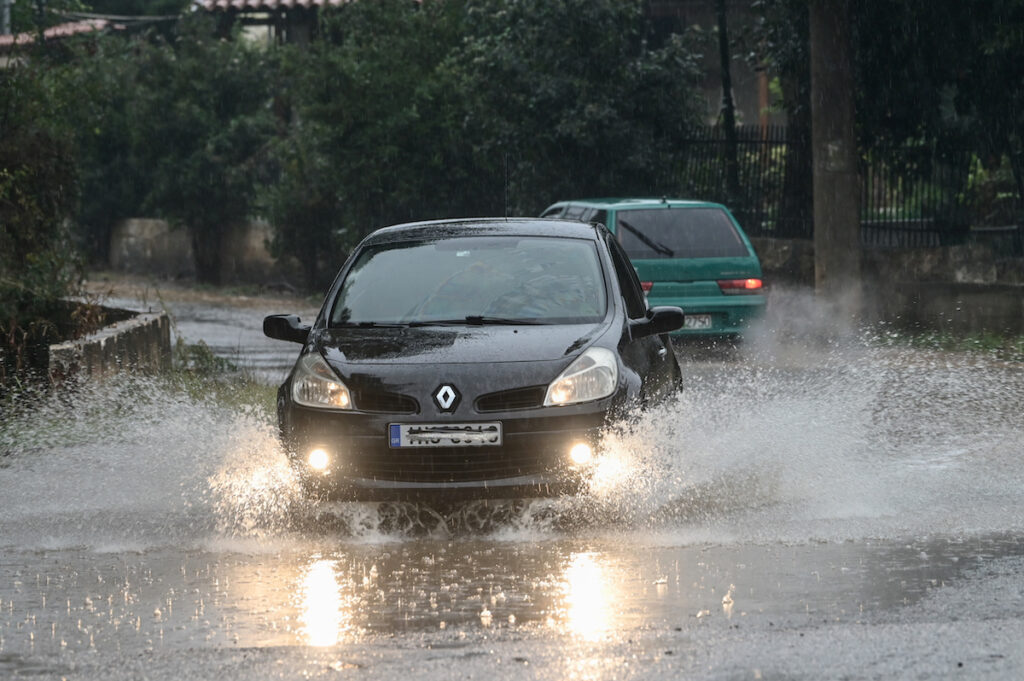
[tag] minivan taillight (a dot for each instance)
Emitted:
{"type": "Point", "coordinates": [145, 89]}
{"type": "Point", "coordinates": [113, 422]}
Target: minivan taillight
{"type": "Point", "coordinates": [646, 286]}
{"type": "Point", "coordinates": [740, 286]}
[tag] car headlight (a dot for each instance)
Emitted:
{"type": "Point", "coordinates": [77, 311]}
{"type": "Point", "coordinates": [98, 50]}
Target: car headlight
{"type": "Point", "coordinates": [592, 376]}
{"type": "Point", "coordinates": [316, 385]}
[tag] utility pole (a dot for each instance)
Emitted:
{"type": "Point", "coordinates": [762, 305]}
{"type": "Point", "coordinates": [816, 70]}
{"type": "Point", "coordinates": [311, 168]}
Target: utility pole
{"type": "Point", "coordinates": [837, 250]}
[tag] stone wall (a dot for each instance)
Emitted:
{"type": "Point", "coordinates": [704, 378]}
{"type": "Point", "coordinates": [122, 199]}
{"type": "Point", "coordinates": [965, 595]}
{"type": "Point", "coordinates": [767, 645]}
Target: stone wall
{"type": "Point", "coordinates": [138, 342]}
{"type": "Point", "coordinates": [967, 288]}
{"type": "Point", "coordinates": [153, 247]}
{"type": "Point", "coordinates": [148, 246]}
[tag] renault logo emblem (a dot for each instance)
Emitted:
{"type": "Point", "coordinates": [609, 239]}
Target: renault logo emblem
{"type": "Point", "coordinates": [446, 397]}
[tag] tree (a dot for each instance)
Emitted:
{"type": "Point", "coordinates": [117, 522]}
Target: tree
{"type": "Point", "coordinates": [96, 92]}
{"type": "Point", "coordinates": [728, 109]}
{"type": "Point", "coordinates": [451, 108]}
{"type": "Point", "coordinates": [836, 185]}
{"type": "Point", "coordinates": [368, 139]}
{"type": "Point", "coordinates": [37, 190]}
{"type": "Point", "coordinates": [203, 123]}
{"type": "Point", "coordinates": [564, 97]}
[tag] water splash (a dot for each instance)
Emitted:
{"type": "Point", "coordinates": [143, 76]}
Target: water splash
{"type": "Point", "coordinates": [831, 443]}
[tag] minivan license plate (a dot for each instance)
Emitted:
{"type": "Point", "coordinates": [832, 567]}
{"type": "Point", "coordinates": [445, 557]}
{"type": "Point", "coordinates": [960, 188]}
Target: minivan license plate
{"type": "Point", "coordinates": [444, 434]}
{"type": "Point", "coordinates": [697, 321]}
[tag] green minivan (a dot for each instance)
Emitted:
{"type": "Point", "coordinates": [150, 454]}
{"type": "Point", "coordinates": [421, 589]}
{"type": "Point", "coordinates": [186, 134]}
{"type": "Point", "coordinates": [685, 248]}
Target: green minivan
{"type": "Point", "coordinates": [691, 254]}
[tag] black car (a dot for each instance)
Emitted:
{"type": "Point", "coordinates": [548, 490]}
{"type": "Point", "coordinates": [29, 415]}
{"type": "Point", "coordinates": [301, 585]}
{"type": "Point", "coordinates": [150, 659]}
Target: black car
{"type": "Point", "coordinates": [471, 358]}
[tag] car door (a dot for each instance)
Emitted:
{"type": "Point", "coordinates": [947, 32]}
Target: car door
{"type": "Point", "coordinates": [650, 357]}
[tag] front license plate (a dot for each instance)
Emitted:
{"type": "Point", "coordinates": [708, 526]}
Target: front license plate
{"type": "Point", "coordinates": [444, 434]}
{"type": "Point", "coordinates": [697, 321]}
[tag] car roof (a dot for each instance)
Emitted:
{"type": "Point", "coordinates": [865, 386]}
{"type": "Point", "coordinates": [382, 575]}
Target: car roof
{"type": "Point", "coordinates": [413, 231]}
{"type": "Point", "coordinates": [621, 203]}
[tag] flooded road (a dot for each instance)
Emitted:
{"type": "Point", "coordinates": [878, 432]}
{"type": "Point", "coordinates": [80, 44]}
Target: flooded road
{"type": "Point", "coordinates": [801, 511]}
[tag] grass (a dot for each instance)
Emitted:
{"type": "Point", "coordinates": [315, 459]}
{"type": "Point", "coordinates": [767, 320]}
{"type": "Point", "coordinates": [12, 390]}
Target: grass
{"type": "Point", "coordinates": [196, 373]}
{"type": "Point", "coordinates": [201, 374]}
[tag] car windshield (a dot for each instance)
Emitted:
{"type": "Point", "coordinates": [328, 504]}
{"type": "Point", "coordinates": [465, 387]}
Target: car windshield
{"type": "Point", "coordinates": [679, 233]}
{"type": "Point", "coordinates": [475, 280]}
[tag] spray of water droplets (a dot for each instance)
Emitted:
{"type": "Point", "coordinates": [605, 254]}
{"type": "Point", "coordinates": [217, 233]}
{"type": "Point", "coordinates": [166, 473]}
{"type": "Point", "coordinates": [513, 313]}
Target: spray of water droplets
{"type": "Point", "coordinates": [829, 443]}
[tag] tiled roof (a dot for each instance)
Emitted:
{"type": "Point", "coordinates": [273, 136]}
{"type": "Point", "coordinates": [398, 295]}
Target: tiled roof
{"type": "Point", "coordinates": [58, 31]}
{"type": "Point", "coordinates": [264, 5]}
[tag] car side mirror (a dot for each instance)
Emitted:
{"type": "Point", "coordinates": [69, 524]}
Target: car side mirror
{"type": "Point", "coordinates": [660, 319]}
{"type": "Point", "coordinates": [286, 327]}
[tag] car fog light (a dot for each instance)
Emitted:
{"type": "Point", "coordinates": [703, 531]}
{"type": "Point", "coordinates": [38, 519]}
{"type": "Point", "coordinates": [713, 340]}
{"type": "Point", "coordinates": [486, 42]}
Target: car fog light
{"type": "Point", "coordinates": [581, 453]}
{"type": "Point", "coordinates": [318, 460]}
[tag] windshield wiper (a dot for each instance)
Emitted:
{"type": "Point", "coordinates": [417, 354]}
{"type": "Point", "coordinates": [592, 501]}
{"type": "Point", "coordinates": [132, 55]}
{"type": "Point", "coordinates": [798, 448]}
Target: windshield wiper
{"type": "Point", "coordinates": [484, 319]}
{"type": "Point", "coordinates": [369, 325]}
{"type": "Point", "coordinates": [477, 320]}
{"type": "Point", "coordinates": [648, 241]}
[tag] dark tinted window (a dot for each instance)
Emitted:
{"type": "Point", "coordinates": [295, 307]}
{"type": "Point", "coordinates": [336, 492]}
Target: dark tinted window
{"type": "Point", "coordinates": [575, 213]}
{"type": "Point", "coordinates": [600, 217]}
{"type": "Point", "coordinates": [632, 294]}
{"type": "Point", "coordinates": [544, 279]}
{"type": "Point", "coordinates": [679, 233]}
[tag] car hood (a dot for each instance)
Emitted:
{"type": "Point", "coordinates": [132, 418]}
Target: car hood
{"type": "Point", "coordinates": [455, 345]}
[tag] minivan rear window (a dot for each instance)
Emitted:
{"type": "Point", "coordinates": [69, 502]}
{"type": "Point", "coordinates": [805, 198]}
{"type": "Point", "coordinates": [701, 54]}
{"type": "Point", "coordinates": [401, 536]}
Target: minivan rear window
{"type": "Point", "coordinates": [678, 233]}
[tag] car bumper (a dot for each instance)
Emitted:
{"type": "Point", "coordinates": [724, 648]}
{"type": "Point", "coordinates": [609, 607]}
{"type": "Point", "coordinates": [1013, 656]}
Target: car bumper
{"type": "Point", "coordinates": [532, 460]}
{"type": "Point", "coordinates": [729, 315]}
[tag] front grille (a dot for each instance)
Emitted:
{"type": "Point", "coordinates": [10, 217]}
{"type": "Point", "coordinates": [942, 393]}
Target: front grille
{"type": "Point", "coordinates": [448, 464]}
{"type": "Point", "coordinates": [385, 402]}
{"type": "Point", "coordinates": [509, 400]}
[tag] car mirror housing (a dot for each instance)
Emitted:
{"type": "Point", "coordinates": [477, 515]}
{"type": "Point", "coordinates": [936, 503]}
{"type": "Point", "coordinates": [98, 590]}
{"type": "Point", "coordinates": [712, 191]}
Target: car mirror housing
{"type": "Point", "coordinates": [660, 319]}
{"type": "Point", "coordinates": [286, 327]}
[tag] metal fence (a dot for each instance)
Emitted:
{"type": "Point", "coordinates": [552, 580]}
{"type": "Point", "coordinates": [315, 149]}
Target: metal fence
{"type": "Point", "coordinates": [913, 196]}
{"type": "Point", "coordinates": [761, 169]}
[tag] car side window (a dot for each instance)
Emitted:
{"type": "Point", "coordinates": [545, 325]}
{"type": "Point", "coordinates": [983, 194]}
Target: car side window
{"type": "Point", "coordinates": [600, 217]}
{"type": "Point", "coordinates": [575, 213]}
{"type": "Point", "coordinates": [553, 212]}
{"type": "Point", "coordinates": [629, 283]}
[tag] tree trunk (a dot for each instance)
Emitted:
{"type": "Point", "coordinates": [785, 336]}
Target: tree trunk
{"type": "Point", "coordinates": [837, 250]}
{"type": "Point", "coordinates": [728, 115]}
{"type": "Point", "coordinates": [207, 247]}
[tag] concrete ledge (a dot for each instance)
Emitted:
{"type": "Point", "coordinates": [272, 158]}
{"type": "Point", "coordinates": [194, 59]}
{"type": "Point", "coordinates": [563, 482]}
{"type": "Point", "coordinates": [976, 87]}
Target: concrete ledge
{"type": "Point", "coordinates": [955, 307]}
{"type": "Point", "coordinates": [141, 342]}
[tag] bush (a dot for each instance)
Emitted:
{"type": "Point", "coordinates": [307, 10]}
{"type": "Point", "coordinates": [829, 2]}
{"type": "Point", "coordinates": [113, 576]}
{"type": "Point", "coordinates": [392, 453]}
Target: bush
{"type": "Point", "coordinates": [38, 266]}
{"type": "Point", "coordinates": [399, 111]}
{"type": "Point", "coordinates": [174, 127]}
{"type": "Point", "coordinates": [481, 107]}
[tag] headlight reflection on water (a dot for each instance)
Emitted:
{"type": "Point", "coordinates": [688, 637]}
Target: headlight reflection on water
{"type": "Point", "coordinates": [325, 617]}
{"type": "Point", "coordinates": [588, 597]}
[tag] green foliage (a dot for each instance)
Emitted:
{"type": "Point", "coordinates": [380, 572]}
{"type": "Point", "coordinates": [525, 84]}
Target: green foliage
{"type": "Point", "coordinates": [139, 7]}
{"type": "Point", "coordinates": [477, 107]}
{"type": "Point", "coordinates": [97, 94]}
{"type": "Point", "coordinates": [198, 359]}
{"type": "Point", "coordinates": [372, 134]}
{"type": "Point", "coordinates": [939, 77]}
{"type": "Point", "coordinates": [202, 125]}
{"type": "Point", "coordinates": [992, 192]}
{"type": "Point", "coordinates": [37, 190]}
{"type": "Point", "coordinates": [569, 95]}
{"type": "Point", "coordinates": [36, 15]}
{"type": "Point", "coordinates": [400, 111]}
{"type": "Point", "coordinates": [175, 128]}
{"type": "Point", "coordinates": [204, 376]}
{"type": "Point", "coordinates": [926, 70]}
